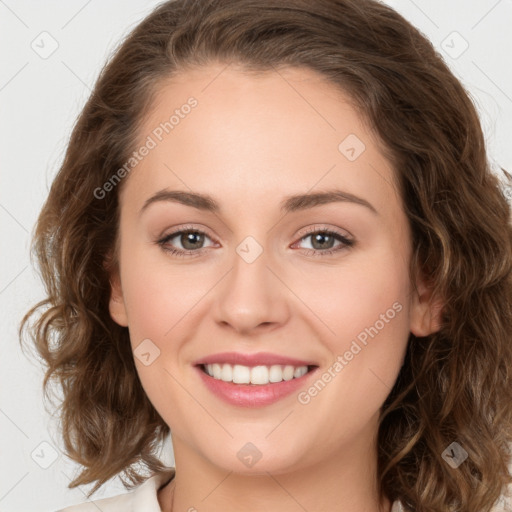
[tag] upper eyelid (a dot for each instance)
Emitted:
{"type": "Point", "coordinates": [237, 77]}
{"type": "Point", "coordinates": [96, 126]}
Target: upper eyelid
{"type": "Point", "coordinates": [318, 227]}
{"type": "Point", "coordinates": [310, 229]}
{"type": "Point", "coordinates": [185, 229]}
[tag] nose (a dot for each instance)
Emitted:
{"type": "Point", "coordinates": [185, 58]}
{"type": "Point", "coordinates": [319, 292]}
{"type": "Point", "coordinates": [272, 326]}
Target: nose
{"type": "Point", "coordinates": [251, 298]}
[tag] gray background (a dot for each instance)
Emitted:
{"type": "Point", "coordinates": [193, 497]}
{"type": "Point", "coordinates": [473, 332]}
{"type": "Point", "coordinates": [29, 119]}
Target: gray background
{"type": "Point", "coordinates": [40, 97]}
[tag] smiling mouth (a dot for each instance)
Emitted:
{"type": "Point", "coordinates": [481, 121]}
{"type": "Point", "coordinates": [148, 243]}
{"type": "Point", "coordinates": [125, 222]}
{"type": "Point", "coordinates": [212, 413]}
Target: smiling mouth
{"type": "Point", "coordinates": [255, 375]}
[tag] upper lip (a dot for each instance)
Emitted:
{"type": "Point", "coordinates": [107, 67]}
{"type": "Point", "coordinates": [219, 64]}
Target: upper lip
{"type": "Point", "coordinates": [257, 359]}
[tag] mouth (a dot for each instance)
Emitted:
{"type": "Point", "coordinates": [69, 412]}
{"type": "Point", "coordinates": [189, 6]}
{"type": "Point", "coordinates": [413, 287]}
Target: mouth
{"type": "Point", "coordinates": [254, 379]}
{"type": "Point", "coordinates": [260, 375]}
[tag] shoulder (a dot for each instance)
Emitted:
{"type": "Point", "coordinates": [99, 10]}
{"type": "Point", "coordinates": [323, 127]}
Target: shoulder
{"type": "Point", "coordinates": [142, 499]}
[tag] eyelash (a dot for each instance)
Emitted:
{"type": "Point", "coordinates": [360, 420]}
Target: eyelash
{"type": "Point", "coordinates": [345, 242]}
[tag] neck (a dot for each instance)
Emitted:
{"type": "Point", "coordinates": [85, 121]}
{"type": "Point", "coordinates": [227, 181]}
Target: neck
{"type": "Point", "coordinates": [346, 481]}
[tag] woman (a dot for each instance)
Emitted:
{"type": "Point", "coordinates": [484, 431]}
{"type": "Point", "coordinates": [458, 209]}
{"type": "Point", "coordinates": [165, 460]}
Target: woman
{"type": "Point", "coordinates": [339, 337]}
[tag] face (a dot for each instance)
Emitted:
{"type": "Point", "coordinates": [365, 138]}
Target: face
{"type": "Point", "coordinates": [299, 250]}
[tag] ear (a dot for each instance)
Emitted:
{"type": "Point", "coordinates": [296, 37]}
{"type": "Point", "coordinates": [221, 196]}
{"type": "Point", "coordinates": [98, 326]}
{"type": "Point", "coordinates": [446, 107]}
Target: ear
{"type": "Point", "coordinates": [426, 310]}
{"type": "Point", "coordinates": [116, 306]}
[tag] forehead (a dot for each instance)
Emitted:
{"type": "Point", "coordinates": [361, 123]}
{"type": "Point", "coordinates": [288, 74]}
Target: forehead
{"type": "Point", "coordinates": [248, 134]}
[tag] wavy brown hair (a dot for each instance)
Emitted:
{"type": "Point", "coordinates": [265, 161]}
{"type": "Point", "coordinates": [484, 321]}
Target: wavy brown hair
{"type": "Point", "coordinates": [455, 384]}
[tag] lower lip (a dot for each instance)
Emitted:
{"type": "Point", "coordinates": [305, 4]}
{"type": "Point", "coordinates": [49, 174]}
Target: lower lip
{"type": "Point", "coordinates": [252, 395]}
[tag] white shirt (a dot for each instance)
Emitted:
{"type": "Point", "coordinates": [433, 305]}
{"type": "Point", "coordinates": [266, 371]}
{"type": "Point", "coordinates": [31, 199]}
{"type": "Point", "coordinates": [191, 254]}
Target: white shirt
{"type": "Point", "coordinates": [142, 499]}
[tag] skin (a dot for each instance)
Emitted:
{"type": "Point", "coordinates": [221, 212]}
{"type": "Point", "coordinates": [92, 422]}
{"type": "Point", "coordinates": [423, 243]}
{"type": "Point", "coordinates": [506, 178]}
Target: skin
{"type": "Point", "coordinates": [251, 141]}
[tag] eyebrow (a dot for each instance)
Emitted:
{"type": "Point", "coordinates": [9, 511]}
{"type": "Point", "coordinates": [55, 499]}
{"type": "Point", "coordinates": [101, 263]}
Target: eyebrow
{"type": "Point", "coordinates": [289, 204]}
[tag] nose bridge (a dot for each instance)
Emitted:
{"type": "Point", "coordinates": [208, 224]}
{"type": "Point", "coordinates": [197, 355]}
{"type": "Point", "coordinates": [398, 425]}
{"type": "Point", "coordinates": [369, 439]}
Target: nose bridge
{"type": "Point", "coordinates": [251, 295]}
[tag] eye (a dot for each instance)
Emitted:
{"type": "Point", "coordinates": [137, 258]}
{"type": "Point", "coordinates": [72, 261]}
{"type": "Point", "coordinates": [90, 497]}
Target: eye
{"type": "Point", "coordinates": [323, 240]}
{"type": "Point", "coordinates": [190, 240]}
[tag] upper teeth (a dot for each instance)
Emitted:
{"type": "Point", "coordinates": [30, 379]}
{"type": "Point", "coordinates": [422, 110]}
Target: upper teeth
{"type": "Point", "coordinates": [254, 375]}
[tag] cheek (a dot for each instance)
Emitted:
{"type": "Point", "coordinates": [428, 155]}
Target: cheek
{"type": "Point", "coordinates": [352, 297]}
{"type": "Point", "coordinates": [159, 299]}
{"type": "Point", "coordinates": [158, 294]}
{"type": "Point", "coordinates": [366, 309]}
{"type": "Point", "coordinates": [372, 330]}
